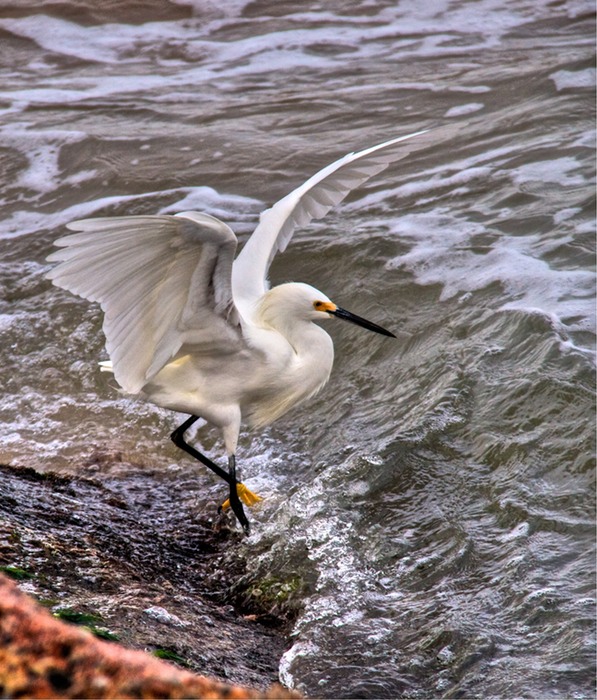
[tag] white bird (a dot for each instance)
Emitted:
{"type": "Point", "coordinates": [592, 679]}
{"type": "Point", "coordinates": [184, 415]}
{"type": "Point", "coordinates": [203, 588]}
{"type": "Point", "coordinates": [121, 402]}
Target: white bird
{"type": "Point", "coordinates": [192, 329]}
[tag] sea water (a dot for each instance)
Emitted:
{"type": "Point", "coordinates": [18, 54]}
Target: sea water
{"type": "Point", "coordinates": [436, 500]}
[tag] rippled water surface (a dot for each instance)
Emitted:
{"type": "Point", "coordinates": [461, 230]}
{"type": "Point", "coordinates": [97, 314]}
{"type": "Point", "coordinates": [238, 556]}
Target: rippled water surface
{"type": "Point", "coordinates": [436, 502]}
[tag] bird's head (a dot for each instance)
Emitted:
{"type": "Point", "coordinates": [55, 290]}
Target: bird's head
{"type": "Point", "coordinates": [296, 300]}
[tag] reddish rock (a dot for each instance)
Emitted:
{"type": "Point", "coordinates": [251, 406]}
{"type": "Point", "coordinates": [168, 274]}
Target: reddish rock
{"type": "Point", "coordinates": [41, 657]}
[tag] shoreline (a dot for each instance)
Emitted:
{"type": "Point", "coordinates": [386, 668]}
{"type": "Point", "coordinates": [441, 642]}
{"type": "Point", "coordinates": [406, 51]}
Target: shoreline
{"type": "Point", "coordinates": [122, 554]}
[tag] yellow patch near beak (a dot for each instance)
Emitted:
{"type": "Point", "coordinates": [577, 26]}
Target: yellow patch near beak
{"type": "Point", "coordinates": [324, 306]}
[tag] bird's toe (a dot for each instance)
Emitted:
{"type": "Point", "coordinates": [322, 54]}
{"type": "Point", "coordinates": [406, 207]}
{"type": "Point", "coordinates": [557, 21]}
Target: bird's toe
{"type": "Point", "coordinates": [248, 497]}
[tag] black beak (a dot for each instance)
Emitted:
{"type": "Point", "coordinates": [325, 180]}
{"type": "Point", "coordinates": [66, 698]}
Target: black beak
{"type": "Point", "coordinates": [347, 316]}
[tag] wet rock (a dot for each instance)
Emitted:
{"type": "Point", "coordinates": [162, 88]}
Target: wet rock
{"type": "Point", "coordinates": [129, 552]}
{"type": "Point", "coordinates": [162, 615]}
{"type": "Point", "coordinates": [41, 657]}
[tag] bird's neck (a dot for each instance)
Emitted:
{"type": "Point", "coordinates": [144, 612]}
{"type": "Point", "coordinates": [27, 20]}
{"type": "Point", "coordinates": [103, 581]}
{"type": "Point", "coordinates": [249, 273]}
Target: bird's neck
{"type": "Point", "coordinates": [309, 362]}
{"type": "Point", "coordinates": [310, 344]}
{"type": "Point", "coordinates": [307, 340]}
{"type": "Point", "coordinates": [304, 337]}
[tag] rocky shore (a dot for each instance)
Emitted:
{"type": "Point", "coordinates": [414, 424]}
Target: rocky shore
{"type": "Point", "coordinates": [116, 550]}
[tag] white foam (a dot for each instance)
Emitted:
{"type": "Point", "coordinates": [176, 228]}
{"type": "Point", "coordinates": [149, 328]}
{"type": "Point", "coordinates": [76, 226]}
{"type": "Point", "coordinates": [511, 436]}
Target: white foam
{"type": "Point", "coordinates": [461, 110]}
{"type": "Point", "coordinates": [7, 320]}
{"type": "Point", "coordinates": [443, 241]}
{"type": "Point", "coordinates": [231, 9]}
{"type": "Point", "coordinates": [343, 582]}
{"type": "Point", "coordinates": [297, 650]}
{"type": "Point", "coordinates": [563, 171]}
{"type": "Point", "coordinates": [443, 252]}
{"type": "Point", "coordinates": [232, 208]}
{"type": "Point", "coordinates": [73, 90]}
{"type": "Point", "coordinates": [433, 180]}
{"type": "Point", "coordinates": [202, 57]}
{"type": "Point", "coordinates": [107, 43]}
{"type": "Point", "coordinates": [42, 150]}
{"type": "Point", "coordinates": [210, 200]}
{"type": "Point", "coordinates": [566, 214]}
{"type": "Point", "coordinates": [566, 79]}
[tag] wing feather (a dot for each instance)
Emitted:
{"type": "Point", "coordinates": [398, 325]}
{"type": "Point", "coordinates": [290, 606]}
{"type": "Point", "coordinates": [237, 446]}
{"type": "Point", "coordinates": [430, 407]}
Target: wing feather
{"type": "Point", "coordinates": [312, 200]}
{"type": "Point", "coordinates": [161, 281]}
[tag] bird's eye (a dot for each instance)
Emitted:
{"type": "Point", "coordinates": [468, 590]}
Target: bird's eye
{"type": "Point", "coordinates": [318, 304]}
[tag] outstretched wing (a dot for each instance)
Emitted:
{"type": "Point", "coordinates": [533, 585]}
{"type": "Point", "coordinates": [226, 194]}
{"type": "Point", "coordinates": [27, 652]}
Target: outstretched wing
{"type": "Point", "coordinates": [312, 200]}
{"type": "Point", "coordinates": [162, 281]}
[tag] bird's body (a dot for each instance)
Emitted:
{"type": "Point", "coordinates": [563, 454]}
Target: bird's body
{"type": "Point", "coordinates": [193, 329]}
{"type": "Point", "coordinates": [271, 367]}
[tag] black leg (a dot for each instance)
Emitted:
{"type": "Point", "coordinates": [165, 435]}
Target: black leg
{"type": "Point", "coordinates": [229, 477]}
{"type": "Point", "coordinates": [177, 438]}
{"type": "Point", "coordinates": [235, 503]}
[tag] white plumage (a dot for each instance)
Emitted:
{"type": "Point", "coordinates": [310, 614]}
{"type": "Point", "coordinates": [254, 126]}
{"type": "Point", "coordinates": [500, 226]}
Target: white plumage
{"type": "Point", "coordinates": [191, 328]}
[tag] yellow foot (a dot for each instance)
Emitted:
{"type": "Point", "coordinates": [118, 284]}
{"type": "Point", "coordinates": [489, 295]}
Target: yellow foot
{"type": "Point", "coordinates": [248, 497]}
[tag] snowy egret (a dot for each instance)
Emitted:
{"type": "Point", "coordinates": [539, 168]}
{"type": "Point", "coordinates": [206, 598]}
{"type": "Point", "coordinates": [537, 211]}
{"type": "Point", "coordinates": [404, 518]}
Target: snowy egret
{"type": "Point", "coordinates": [192, 329]}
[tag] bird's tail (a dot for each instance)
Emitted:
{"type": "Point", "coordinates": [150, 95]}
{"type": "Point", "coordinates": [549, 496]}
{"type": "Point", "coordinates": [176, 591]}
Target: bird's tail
{"type": "Point", "coordinates": [106, 366]}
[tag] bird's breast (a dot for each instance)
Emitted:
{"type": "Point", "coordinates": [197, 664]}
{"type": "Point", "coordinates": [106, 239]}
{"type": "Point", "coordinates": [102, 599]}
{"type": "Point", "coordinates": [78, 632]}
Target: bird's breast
{"type": "Point", "coordinates": [296, 370]}
{"type": "Point", "coordinates": [265, 378]}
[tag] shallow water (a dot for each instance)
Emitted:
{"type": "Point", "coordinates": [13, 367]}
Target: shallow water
{"type": "Point", "coordinates": [437, 499]}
